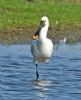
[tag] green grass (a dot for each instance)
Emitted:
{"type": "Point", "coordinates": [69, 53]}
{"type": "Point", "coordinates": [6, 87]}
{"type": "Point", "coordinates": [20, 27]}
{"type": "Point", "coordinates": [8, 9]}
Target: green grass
{"type": "Point", "coordinates": [19, 13]}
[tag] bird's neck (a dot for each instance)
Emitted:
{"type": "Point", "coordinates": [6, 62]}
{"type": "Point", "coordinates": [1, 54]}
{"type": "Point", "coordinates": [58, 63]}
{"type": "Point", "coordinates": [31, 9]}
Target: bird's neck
{"type": "Point", "coordinates": [43, 33]}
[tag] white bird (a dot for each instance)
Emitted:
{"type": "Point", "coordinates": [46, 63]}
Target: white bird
{"type": "Point", "coordinates": [63, 41]}
{"type": "Point", "coordinates": [41, 47]}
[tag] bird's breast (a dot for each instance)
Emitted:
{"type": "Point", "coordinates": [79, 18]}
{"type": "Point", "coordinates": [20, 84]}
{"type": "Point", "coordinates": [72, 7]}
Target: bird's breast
{"type": "Point", "coordinates": [44, 49]}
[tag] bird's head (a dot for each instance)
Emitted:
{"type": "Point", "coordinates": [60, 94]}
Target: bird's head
{"type": "Point", "coordinates": [43, 23]}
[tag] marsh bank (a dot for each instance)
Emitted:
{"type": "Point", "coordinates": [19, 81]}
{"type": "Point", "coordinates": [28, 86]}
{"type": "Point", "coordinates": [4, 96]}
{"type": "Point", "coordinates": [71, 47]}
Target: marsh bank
{"type": "Point", "coordinates": [24, 34]}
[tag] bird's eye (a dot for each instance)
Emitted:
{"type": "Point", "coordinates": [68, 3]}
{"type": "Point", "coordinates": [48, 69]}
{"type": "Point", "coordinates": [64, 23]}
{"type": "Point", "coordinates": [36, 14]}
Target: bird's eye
{"type": "Point", "coordinates": [41, 22]}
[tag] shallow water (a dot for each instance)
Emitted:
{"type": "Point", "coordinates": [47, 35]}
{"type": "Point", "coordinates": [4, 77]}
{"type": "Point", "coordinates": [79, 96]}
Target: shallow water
{"type": "Point", "coordinates": [60, 79]}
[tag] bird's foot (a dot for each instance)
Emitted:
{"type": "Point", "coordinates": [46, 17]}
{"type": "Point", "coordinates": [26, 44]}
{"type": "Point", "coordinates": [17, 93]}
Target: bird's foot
{"type": "Point", "coordinates": [37, 74]}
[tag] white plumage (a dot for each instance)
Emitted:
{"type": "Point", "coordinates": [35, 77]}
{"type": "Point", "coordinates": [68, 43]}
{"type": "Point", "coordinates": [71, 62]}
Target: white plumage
{"type": "Point", "coordinates": [41, 50]}
{"type": "Point", "coordinates": [41, 47]}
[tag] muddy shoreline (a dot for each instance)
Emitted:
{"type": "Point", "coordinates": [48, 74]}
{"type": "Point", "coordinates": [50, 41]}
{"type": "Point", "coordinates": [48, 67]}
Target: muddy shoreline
{"type": "Point", "coordinates": [23, 34]}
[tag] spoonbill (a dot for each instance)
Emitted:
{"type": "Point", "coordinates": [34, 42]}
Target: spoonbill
{"type": "Point", "coordinates": [41, 46]}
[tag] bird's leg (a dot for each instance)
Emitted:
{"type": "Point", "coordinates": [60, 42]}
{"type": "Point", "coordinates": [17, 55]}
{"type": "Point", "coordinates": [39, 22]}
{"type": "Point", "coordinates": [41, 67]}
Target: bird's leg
{"type": "Point", "coordinates": [37, 73]}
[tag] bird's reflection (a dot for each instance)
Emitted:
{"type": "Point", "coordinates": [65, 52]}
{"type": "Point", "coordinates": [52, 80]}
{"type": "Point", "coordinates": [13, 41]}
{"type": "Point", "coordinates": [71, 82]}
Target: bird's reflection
{"type": "Point", "coordinates": [41, 87]}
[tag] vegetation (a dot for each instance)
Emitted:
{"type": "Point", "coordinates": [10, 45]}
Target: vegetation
{"type": "Point", "coordinates": [21, 13]}
{"type": "Point", "coordinates": [19, 19]}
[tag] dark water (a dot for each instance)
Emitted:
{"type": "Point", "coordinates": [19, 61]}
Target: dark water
{"type": "Point", "coordinates": [60, 79]}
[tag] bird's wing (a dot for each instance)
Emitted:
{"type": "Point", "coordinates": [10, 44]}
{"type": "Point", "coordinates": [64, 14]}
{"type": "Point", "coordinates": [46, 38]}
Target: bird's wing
{"type": "Point", "coordinates": [34, 49]}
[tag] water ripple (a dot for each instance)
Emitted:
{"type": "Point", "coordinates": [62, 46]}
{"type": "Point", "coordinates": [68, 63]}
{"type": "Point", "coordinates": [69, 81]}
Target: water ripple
{"type": "Point", "coordinates": [60, 79]}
